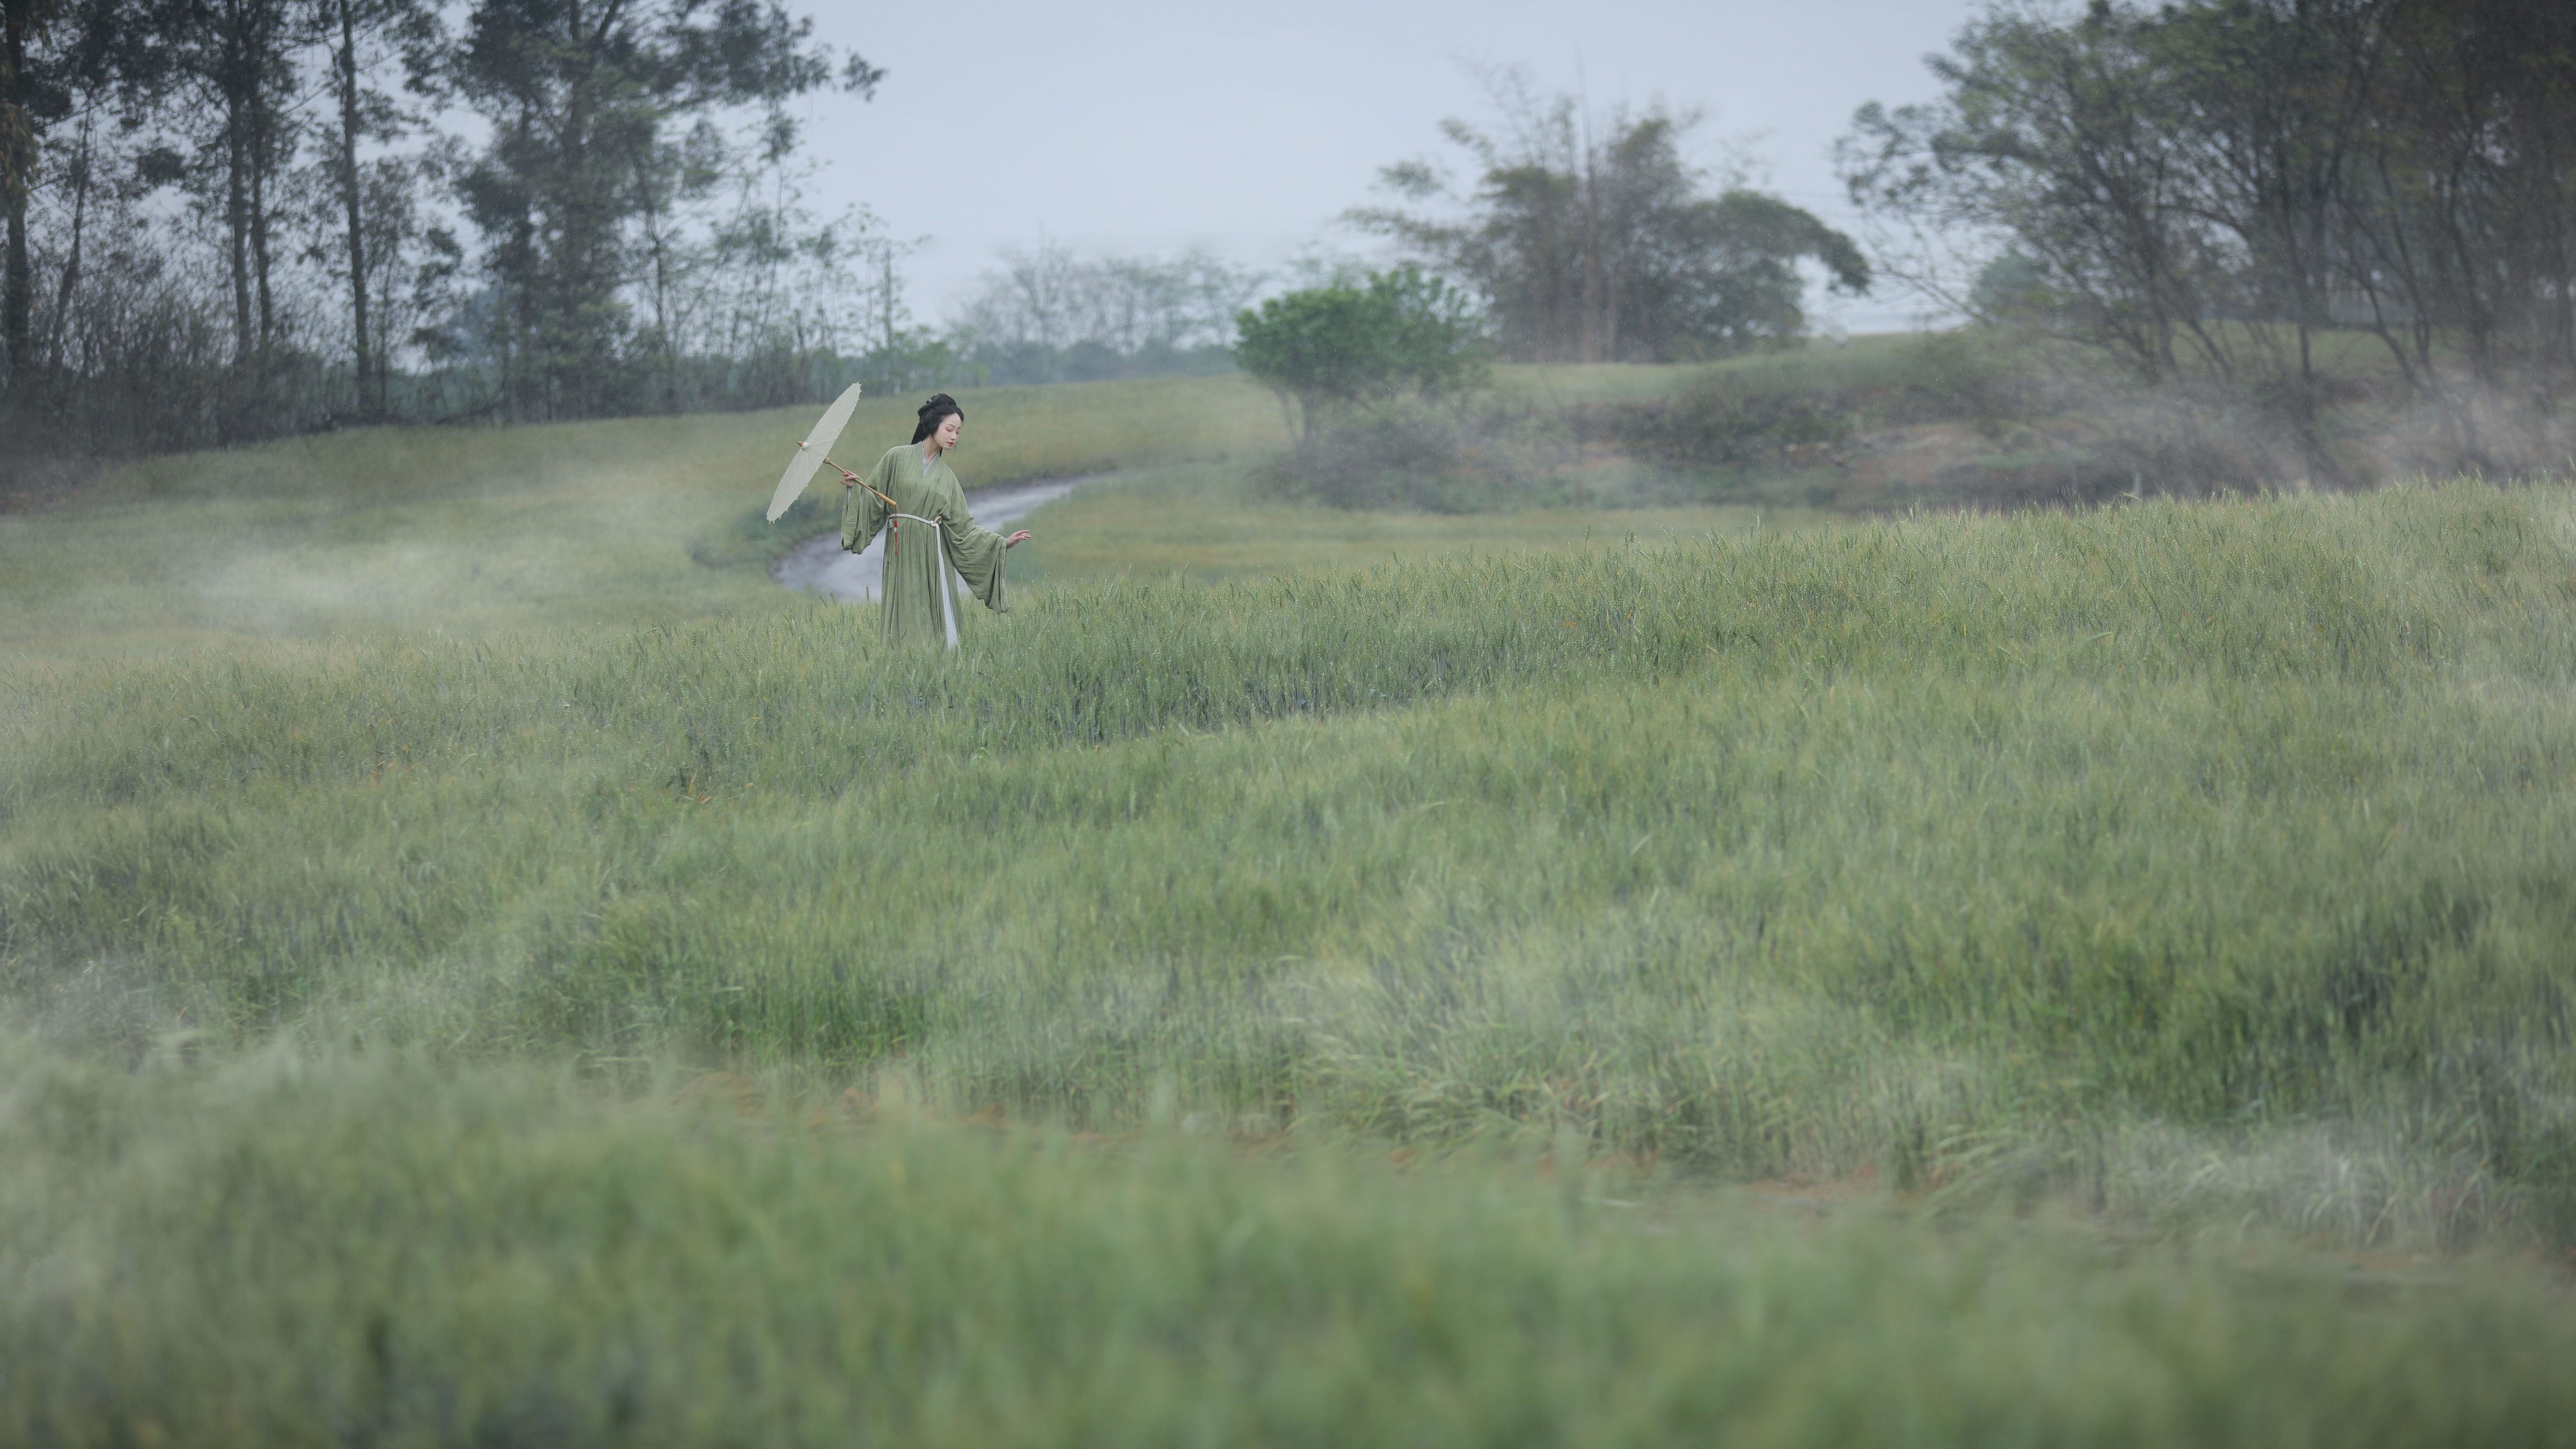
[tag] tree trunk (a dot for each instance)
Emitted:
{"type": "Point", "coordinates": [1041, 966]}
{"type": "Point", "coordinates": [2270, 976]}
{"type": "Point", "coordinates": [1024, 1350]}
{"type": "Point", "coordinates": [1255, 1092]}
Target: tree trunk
{"type": "Point", "coordinates": [571, 365]}
{"type": "Point", "coordinates": [20, 287]}
{"type": "Point", "coordinates": [17, 167]}
{"type": "Point", "coordinates": [1587, 321]}
{"type": "Point", "coordinates": [237, 231]}
{"type": "Point", "coordinates": [259, 245]}
{"type": "Point", "coordinates": [80, 178]}
{"type": "Point", "coordinates": [262, 142]}
{"type": "Point", "coordinates": [371, 400]}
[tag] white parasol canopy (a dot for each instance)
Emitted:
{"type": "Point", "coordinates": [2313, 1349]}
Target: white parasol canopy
{"type": "Point", "coordinates": [809, 453]}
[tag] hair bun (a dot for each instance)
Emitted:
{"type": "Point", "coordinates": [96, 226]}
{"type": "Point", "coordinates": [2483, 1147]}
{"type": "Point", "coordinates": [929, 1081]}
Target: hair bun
{"type": "Point", "coordinates": [940, 406]}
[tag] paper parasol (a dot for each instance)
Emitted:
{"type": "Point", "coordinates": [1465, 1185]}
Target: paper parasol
{"type": "Point", "coordinates": [809, 453]}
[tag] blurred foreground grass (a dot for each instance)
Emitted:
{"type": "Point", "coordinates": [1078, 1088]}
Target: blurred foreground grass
{"type": "Point", "coordinates": [296, 1251]}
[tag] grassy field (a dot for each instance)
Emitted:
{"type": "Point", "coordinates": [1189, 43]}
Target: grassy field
{"type": "Point", "coordinates": [1236, 1002]}
{"type": "Point", "coordinates": [1206, 522]}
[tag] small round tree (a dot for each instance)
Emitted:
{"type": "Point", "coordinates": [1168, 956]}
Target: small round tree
{"type": "Point", "coordinates": [1327, 350]}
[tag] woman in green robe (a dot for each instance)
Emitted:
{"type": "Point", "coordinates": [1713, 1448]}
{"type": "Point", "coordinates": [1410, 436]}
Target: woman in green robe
{"type": "Point", "coordinates": [914, 478]}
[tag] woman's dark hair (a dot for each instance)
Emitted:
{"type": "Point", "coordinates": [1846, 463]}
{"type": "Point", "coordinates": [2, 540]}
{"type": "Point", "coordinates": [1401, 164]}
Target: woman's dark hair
{"type": "Point", "coordinates": [939, 406]}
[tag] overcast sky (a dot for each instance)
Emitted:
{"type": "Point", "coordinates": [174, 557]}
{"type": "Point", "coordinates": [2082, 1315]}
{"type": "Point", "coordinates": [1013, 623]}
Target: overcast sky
{"type": "Point", "coordinates": [1144, 127]}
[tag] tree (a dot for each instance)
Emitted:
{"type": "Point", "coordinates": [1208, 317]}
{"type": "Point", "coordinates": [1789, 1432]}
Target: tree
{"type": "Point", "coordinates": [1599, 244]}
{"type": "Point", "coordinates": [30, 99]}
{"type": "Point", "coordinates": [1328, 349]}
{"type": "Point", "coordinates": [317, 253]}
{"type": "Point", "coordinates": [1047, 315]}
{"type": "Point", "coordinates": [777, 286]}
{"type": "Point", "coordinates": [2074, 141]}
{"type": "Point", "coordinates": [359, 36]}
{"type": "Point", "coordinates": [59, 59]}
{"type": "Point", "coordinates": [578, 93]}
{"type": "Point", "coordinates": [2458, 207]}
{"type": "Point", "coordinates": [2200, 188]}
{"type": "Point", "coordinates": [236, 60]}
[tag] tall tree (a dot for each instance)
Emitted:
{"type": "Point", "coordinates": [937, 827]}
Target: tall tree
{"type": "Point", "coordinates": [360, 37]}
{"type": "Point", "coordinates": [2465, 201]}
{"type": "Point", "coordinates": [1598, 241]}
{"type": "Point", "coordinates": [578, 93]}
{"type": "Point", "coordinates": [2066, 137]}
{"type": "Point", "coordinates": [2201, 187]}
{"type": "Point", "coordinates": [29, 99]}
{"type": "Point", "coordinates": [236, 61]}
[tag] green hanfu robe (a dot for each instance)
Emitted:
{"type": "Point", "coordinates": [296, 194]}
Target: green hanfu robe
{"type": "Point", "coordinates": [912, 579]}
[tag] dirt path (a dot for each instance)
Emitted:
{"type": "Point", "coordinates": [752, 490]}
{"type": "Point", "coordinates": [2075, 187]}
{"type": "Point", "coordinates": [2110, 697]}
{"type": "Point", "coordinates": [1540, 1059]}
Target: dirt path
{"type": "Point", "coordinates": [817, 566]}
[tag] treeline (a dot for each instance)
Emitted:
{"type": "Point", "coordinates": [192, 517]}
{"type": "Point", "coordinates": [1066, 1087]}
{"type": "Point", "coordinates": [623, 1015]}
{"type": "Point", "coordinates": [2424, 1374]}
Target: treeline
{"type": "Point", "coordinates": [2213, 192]}
{"type": "Point", "coordinates": [1047, 315]}
{"type": "Point", "coordinates": [230, 219]}
{"type": "Point", "coordinates": [1574, 237]}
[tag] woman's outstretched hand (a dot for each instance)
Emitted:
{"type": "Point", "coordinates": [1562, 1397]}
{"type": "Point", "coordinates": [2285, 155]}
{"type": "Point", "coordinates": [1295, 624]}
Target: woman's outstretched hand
{"type": "Point", "coordinates": [849, 479]}
{"type": "Point", "coordinates": [1015, 540]}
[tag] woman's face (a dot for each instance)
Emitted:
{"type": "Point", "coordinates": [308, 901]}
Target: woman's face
{"type": "Point", "coordinates": [945, 435]}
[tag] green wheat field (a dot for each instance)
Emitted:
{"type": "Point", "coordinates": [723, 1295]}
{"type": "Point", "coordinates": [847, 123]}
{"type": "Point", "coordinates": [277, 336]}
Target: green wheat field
{"type": "Point", "coordinates": [482, 964]}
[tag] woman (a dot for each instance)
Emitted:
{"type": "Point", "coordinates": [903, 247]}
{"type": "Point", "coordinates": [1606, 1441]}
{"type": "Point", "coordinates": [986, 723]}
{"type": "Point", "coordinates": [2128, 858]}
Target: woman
{"type": "Point", "coordinates": [915, 479]}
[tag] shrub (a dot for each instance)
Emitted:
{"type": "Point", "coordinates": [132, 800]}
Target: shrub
{"type": "Point", "coordinates": [1330, 350]}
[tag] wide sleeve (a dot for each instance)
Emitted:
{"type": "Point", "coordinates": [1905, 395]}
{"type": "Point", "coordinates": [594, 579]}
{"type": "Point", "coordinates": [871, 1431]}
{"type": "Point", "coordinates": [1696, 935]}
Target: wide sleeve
{"type": "Point", "coordinates": [863, 512]}
{"type": "Point", "coordinates": [976, 552]}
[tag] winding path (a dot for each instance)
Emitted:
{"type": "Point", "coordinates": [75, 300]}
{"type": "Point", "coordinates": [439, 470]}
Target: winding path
{"type": "Point", "coordinates": [817, 566]}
